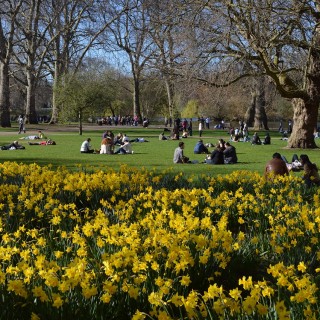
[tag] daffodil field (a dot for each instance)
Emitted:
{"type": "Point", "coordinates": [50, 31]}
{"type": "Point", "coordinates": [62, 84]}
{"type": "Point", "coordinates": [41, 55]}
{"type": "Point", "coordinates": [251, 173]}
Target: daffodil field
{"type": "Point", "coordinates": [138, 244]}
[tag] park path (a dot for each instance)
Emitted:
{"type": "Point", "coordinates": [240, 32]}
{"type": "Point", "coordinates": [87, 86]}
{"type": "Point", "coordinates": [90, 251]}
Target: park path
{"type": "Point", "coordinates": [33, 129]}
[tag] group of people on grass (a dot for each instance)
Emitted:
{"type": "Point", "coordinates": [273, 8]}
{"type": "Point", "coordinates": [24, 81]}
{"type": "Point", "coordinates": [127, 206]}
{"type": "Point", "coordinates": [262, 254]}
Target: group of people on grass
{"type": "Point", "coordinates": [223, 153]}
{"type": "Point", "coordinates": [257, 141]}
{"type": "Point", "coordinates": [279, 165]}
{"type": "Point", "coordinates": [38, 139]}
{"type": "Point", "coordinates": [111, 144]}
{"type": "Point", "coordinates": [184, 128]}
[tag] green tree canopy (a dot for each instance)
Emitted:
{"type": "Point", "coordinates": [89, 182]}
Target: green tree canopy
{"type": "Point", "coordinates": [82, 95]}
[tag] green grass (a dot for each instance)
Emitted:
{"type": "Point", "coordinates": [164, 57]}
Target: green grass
{"type": "Point", "coordinates": [153, 155]}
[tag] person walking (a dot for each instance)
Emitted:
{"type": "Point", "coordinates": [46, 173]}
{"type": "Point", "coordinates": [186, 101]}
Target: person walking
{"type": "Point", "coordinates": [289, 126]}
{"type": "Point", "coordinates": [207, 122]}
{"type": "Point", "coordinates": [200, 128]}
{"type": "Point", "coordinates": [21, 123]}
{"type": "Point", "coordinates": [190, 128]}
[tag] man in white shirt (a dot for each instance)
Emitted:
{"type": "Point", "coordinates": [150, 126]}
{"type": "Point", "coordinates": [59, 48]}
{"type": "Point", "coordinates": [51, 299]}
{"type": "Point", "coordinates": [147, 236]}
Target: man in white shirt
{"type": "Point", "coordinates": [178, 156]}
{"type": "Point", "coordinates": [86, 147]}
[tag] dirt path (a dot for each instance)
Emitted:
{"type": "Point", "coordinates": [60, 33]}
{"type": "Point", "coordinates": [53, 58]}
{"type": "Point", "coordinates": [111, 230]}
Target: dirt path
{"type": "Point", "coordinates": [46, 128]}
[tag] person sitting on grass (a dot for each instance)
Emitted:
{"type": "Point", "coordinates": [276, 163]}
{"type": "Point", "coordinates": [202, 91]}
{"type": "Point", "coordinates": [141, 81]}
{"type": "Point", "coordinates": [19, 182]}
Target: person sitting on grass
{"type": "Point", "coordinates": [162, 136]}
{"type": "Point", "coordinates": [267, 139]}
{"type": "Point", "coordinates": [41, 135]}
{"type": "Point", "coordinates": [200, 148]}
{"type": "Point", "coordinates": [216, 156]}
{"type": "Point", "coordinates": [117, 140]}
{"type": "Point", "coordinates": [106, 146]}
{"type": "Point", "coordinates": [86, 147]}
{"type": "Point", "coordinates": [311, 174]}
{"type": "Point", "coordinates": [175, 133]}
{"type": "Point", "coordinates": [126, 148]}
{"type": "Point", "coordinates": [256, 139]}
{"type": "Point", "coordinates": [221, 144]}
{"type": "Point", "coordinates": [276, 166]}
{"type": "Point", "coordinates": [230, 154]}
{"type": "Point", "coordinates": [184, 134]}
{"type": "Point", "coordinates": [178, 156]}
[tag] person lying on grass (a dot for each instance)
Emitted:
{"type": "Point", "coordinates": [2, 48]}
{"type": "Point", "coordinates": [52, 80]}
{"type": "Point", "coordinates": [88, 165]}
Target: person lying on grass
{"type": "Point", "coordinates": [13, 146]}
{"type": "Point", "coordinates": [48, 142]}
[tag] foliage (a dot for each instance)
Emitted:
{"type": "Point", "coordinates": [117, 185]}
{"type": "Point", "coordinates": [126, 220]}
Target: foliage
{"type": "Point", "coordinates": [153, 97]}
{"type": "Point", "coordinates": [191, 109]}
{"type": "Point", "coordinates": [82, 94]}
{"type": "Point", "coordinates": [140, 244]}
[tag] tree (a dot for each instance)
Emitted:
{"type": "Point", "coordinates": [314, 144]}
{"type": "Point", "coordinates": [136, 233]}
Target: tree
{"type": "Point", "coordinates": [7, 28]}
{"type": "Point", "coordinates": [165, 35]}
{"type": "Point", "coordinates": [82, 94]}
{"type": "Point", "coordinates": [256, 114]}
{"type": "Point", "coordinates": [153, 96]}
{"type": "Point", "coordinates": [31, 52]}
{"type": "Point", "coordinates": [279, 37]}
{"type": "Point", "coordinates": [130, 34]}
{"type": "Point", "coordinates": [75, 27]}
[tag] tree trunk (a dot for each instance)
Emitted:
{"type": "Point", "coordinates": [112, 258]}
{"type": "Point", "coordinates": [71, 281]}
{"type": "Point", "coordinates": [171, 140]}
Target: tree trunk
{"type": "Point", "coordinates": [55, 106]}
{"type": "Point", "coordinates": [305, 115]}
{"type": "Point", "coordinates": [58, 71]}
{"type": "Point", "coordinates": [170, 93]}
{"type": "Point", "coordinates": [305, 109]}
{"type": "Point", "coordinates": [4, 96]}
{"type": "Point", "coordinates": [260, 118]}
{"type": "Point", "coordinates": [55, 110]}
{"type": "Point", "coordinates": [264, 118]}
{"type": "Point", "coordinates": [80, 122]}
{"type": "Point", "coordinates": [136, 99]}
{"type": "Point", "coordinates": [31, 100]}
{"type": "Point", "coordinates": [249, 116]}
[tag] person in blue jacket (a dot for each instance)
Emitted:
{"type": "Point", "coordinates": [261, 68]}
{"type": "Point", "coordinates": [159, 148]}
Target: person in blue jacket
{"type": "Point", "coordinates": [200, 148]}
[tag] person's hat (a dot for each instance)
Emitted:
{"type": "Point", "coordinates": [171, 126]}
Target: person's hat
{"type": "Point", "coordinates": [15, 142]}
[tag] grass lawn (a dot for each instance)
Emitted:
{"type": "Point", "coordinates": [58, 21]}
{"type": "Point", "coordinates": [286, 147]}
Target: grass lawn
{"type": "Point", "coordinates": [153, 155]}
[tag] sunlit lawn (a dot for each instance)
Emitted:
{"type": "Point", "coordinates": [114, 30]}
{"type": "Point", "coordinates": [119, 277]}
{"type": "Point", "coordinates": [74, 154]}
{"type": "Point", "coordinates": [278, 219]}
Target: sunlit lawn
{"type": "Point", "coordinates": [150, 155]}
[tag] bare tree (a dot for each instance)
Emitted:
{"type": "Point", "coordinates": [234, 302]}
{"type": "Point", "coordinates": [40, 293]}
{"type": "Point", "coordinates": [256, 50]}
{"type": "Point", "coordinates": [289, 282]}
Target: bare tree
{"type": "Point", "coordinates": [8, 13]}
{"type": "Point", "coordinates": [130, 34]}
{"type": "Point", "coordinates": [76, 30]}
{"type": "Point", "coordinates": [31, 52]}
{"type": "Point", "coordinates": [256, 114]}
{"type": "Point", "coordinates": [166, 36]}
{"type": "Point", "coordinates": [279, 37]}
